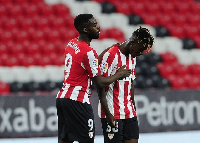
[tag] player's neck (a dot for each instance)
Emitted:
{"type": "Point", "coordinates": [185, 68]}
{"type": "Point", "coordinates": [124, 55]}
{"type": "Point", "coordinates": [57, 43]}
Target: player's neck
{"type": "Point", "coordinates": [84, 38]}
{"type": "Point", "coordinates": [123, 49]}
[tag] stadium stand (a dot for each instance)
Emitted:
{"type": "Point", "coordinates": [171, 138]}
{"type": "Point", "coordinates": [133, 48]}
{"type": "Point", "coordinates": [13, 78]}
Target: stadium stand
{"type": "Point", "coordinates": [33, 34]}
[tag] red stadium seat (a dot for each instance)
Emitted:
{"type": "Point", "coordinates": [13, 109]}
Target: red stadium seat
{"type": "Point", "coordinates": [177, 83]}
{"type": "Point", "coordinates": [194, 69]}
{"type": "Point", "coordinates": [28, 61]}
{"type": "Point", "coordinates": [191, 32]}
{"type": "Point", "coordinates": [6, 1]}
{"type": "Point", "coordinates": [60, 9]}
{"type": "Point", "coordinates": [180, 69]}
{"type": "Point", "coordinates": [37, 58]}
{"type": "Point", "coordinates": [37, 36]}
{"type": "Point", "coordinates": [33, 48]}
{"type": "Point", "coordinates": [30, 31]}
{"type": "Point", "coordinates": [138, 8]}
{"type": "Point", "coordinates": [12, 61]}
{"type": "Point", "coordinates": [164, 20]}
{"type": "Point", "coordinates": [168, 58]}
{"type": "Point", "coordinates": [60, 46]}
{"type": "Point", "coordinates": [154, 8]}
{"type": "Point", "coordinates": [53, 57]}
{"type": "Point", "coordinates": [115, 33]}
{"type": "Point", "coordinates": [3, 11]}
{"type": "Point", "coordinates": [3, 49]}
{"type": "Point", "coordinates": [21, 1]}
{"type": "Point", "coordinates": [4, 58]}
{"type": "Point", "coordinates": [45, 60]}
{"type": "Point", "coordinates": [22, 36]}
{"type": "Point", "coordinates": [193, 82]}
{"type": "Point", "coordinates": [26, 45]}
{"type": "Point", "coordinates": [167, 7]}
{"type": "Point", "coordinates": [49, 48]}
{"type": "Point", "coordinates": [68, 35]}
{"type": "Point", "coordinates": [103, 34]}
{"type": "Point", "coordinates": [179, 19]}
{"type": "Point", "coordinates": [25, 23]}
{"type": "Point", "coordinates": [176, 31]}
{"type": "Point", "coordinates": [69, 21]}
{"type": "Point", "coordinates": [193, 19]}
{"type": "Point", "coordinates": [59, 60]}
{"type": "Point", "coordinates": [165, 70]}
{"type": "Point", "coordinates": [57, 22]}
{"type": "Point", "coordinates": [11, 23]}
{"type": "Point", "coordinates": [14, 31]}
{"type": "Point", "coordinates": [17, 49]}
{"type": "Point", "coordinates": [182, 7]}
{"type": "Point", "coordinates": [195, 7]}
{"type": "Point", "coordinates": [20, 57]}
{"type": "Point", "coordinates": [9, 45]}
{"type": "Point", "coordinates": [150, 19]}
{"type": "Point", "coordinates": [3, 22]}
{"type": "Point", "coordinates": [6, 36]}
{"type": "Point", "coordinates": [35, 1]}
{"type": "Point", "coordinates": [123, 7]}
{"type": "Point", "coordinates": [54, 35]}
{"type": "Point", "coordinates": [15, 10]}
{"type": "Point", "coordinates": [45, 10]}
{"type": "Point", "coordinates": [30, 10]}
{"type": "Point", "coordinates": [41, 22]}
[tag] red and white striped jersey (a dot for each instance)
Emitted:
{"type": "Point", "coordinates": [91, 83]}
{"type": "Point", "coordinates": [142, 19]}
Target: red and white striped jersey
{"type": "Point", "coordinates": [81, 63]}
{"type": "Point", "coordinates": [119, 92]}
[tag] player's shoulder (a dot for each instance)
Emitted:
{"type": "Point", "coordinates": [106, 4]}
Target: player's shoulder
{"type": "Point", "coordinates": [80, 47]}
{"type": "Point", "coordinates": [85, 48]}
{"type": "Point", "coordinates": [114, 49]}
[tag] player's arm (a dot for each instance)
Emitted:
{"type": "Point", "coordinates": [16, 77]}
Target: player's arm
{"type": "Point", "coordinates": [109, 117]}
{"type": "Point", "coordinates": [101, 81]}
{"type": "Point", "coordinates": [132, 94]}
{"type": "Point", "coordinates": [106, 80]}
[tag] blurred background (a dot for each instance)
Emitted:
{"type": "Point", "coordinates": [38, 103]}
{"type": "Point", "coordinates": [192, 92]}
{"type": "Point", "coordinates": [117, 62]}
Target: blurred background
{"type": "Point", "coordinates": [33, 35]}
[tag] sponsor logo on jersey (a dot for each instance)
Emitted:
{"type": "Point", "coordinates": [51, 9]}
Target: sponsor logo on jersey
{"type": "Point", "coordinates": [95, 62]}
{"type": "Point", "coordinates": [104, 67]}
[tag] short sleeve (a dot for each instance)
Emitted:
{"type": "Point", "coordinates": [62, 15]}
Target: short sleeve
{"type": "Point", "coordinates": [107, 64]}
{"type": "Point", "coordinates": [90, 63]}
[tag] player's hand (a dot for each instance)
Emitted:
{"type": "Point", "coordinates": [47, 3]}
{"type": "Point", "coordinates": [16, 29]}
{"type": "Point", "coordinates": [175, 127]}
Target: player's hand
{"type": "Point", "coordinates": [123, 73]}
{"type": "Point", "coordinates": [112, 121]}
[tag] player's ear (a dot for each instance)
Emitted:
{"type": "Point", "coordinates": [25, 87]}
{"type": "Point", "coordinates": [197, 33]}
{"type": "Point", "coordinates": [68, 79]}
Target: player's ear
{"type": "Point", "coordinates": [85, 30]}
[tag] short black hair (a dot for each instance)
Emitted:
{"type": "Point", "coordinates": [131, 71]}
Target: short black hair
{"type": "Point", "coordinates": [144, 37]}
{"type": "Point", "coordinates": [81, 20]}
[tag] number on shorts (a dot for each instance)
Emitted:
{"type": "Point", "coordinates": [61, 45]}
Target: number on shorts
{"type": "Point", "coordinates": [113, 129]}
{"type": "Point", "coordinates": [90, 124]}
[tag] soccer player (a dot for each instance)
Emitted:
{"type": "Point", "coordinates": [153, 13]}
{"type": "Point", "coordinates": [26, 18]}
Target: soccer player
{"type": "Point", "coordinates": [75, 113]}
{"type": "Point", "coordinates": [117, 107]}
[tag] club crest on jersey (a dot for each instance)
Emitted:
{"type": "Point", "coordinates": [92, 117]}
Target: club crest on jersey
{"type": "Point", "coordinates": [104, 67]}
{"type": "Point", "coordinates": [95, 62]}
{"type": "Point", "coordinates": [110, 136]}
{"type": "Point", "coordinates": [91, 134]}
